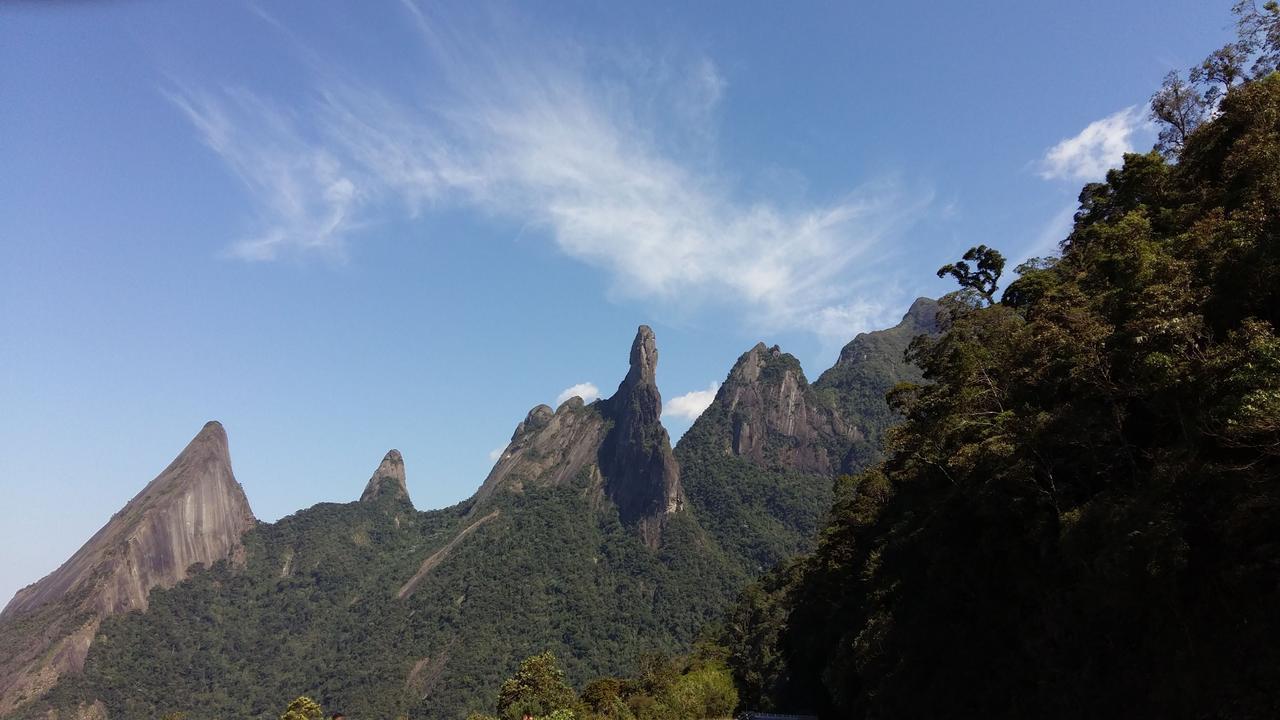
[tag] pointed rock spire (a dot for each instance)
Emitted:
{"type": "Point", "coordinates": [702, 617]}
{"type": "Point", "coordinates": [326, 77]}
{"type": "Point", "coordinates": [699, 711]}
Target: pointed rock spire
{"type": "Point", "coordinates": [644, 357]}
{"type": "Point", "coordinates": [641, 475]}
{"type": "Point", "coordinates": [388, 480]}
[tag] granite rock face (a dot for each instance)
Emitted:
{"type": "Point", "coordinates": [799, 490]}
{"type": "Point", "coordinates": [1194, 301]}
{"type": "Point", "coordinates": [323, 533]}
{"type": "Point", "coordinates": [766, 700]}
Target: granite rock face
{"type": "Point", "coordinates": [619, 442]}
{"type": "Point", "coordinates": [640, 471]}
{"type": "Point", "coordinates": [388, 480]}
{"type": "Point", "coordinates": [776, 420]}
{"type": "Point", "coordinates": [192, 513]}
{"type": "Point", "coordinates": [548, 448]}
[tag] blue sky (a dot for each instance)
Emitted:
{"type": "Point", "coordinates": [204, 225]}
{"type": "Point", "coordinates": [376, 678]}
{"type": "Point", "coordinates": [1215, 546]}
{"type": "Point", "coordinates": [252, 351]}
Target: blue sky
{"type": "Point", "coordinates": [342, 228]}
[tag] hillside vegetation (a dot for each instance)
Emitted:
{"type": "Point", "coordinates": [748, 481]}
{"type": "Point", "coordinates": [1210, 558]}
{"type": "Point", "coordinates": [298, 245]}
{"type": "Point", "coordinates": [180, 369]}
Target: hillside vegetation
{"type": "Point", "coordinates": [1080, 516]}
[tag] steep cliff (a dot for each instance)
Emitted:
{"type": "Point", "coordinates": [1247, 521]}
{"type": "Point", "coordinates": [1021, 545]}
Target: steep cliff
{"type": "Point", "coordinates": [192, 513]}
{"type": "Point", "coordinates": [640, 471]}
{"type": "Point", "coordinates": [775, 418]}
{"type": "Point", "coordinates": [619, 443]}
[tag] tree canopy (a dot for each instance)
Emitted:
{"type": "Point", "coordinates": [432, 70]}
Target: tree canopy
{"type": "Point", "coordinates": [1080, 516]}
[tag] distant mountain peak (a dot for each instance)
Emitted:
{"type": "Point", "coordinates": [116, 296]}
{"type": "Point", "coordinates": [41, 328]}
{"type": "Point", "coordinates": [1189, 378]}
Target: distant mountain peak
{"type": "Point", "coordinates": [194, 512]}
{"type": "Point", "coordinates": [920, 319]}
{"type": "Point", "coordinates": [387, 480]}
{"type": "Point", "coordinates": [619, 440]}
{"type": "Point", "coordinates": [640, 471]}
{"type": "Point", "coordinates": [773, 418]}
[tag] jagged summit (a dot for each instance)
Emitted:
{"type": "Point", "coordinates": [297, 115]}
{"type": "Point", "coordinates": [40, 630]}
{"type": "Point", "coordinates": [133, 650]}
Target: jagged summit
{"type": "Point", "coordinates": [640, 471]}
{"type": "Point", "coordinates": [619, 442]}
{"type": "Point", "coordinates": [771, 416]}
{"type": "Point", "coordinates": [387, 480]}
{"type": "Point", "coordinates": [192, 513]}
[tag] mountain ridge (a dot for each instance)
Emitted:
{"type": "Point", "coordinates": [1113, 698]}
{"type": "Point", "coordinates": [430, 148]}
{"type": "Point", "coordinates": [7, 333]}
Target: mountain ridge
{"type": "Point", "coordinates": [583, 537]}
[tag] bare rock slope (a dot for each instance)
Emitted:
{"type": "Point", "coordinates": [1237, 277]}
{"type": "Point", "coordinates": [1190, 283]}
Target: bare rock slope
{"type": "Point", "coordinates": [619, 442]}
{"type": "Point", "coordinates": [192, 513]}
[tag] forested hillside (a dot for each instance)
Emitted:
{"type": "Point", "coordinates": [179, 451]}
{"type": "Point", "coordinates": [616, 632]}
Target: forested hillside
{"type": "Point", "coordinates": [581, 542]}
{"type": "Point", "coordinates": [1080, 516]}
{"type": "Point", "coordinates": [758, 464]}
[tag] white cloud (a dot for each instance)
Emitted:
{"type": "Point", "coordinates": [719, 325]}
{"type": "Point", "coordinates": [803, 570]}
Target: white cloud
{"type": "Point", "coordinates": [587, 391]}
{"type": "Point", "coordinates": [1098, 148]}
{"type": "Point", "coordinates": [690, 405]}
{"type": "Point", "coordinates": [540, 139]}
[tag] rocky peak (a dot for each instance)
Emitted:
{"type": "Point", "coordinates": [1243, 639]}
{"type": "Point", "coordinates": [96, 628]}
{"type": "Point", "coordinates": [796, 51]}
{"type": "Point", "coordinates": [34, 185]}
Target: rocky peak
{"type": "Point", "coordinates": [771, 416]}
{"type": "Point", "coordinates": [640, 471]}
{"type": "Point", "coordinates": [889, 345]}
{"type": "Point", "coordinates": [869, 366]}
{"type": "Point", "coordinates": [388, 480]}
{"type": "Point", "coordinates": [619, 441]}
{"type": "Point", "coordinates": [537, 418]}
{"type": "Point", "coordinates": [193, 513]}
{"type": "Point", "coordinates": [644, 357]}
{"type": "Point", "coordinates": [547, 448]}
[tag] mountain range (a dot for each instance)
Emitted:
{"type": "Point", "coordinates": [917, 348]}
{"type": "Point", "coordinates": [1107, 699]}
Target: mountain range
{"type": "Point", "coordinates": [591, 536]}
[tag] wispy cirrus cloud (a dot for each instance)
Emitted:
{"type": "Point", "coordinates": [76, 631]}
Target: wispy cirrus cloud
{"type": "Point", "coordinates": [613, 166]}
{"type": "Point", "coordinates": [1097, 148]}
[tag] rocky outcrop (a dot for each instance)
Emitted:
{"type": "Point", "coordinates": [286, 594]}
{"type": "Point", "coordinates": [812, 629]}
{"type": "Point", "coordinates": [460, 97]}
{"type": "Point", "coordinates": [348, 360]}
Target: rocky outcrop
{"type": "Point", "coordinates": [619, 442]}
{"type": "Point", "coordinates": [193, 513]}
{"type": "Point", "coordinates": [775, 419]}
{"type": "Point", "coordinates": [388, 481]}
{"type": "Point", "coordinates": [548, 448]}
{"type": "Point", "coordinates": [640, 472]}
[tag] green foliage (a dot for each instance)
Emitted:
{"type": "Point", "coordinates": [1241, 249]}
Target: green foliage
{"type": "Point", "coordinates": [983, 277]}
{"type": "Point", "coordinates": [1080, 516]}
{"type": "Point", "coordinates": [315, 610]}
{"type": "Point", "coordinates": [303, 708]}
{"type": "Point", "coordinates": [696, 687]}
{"type": "Point", "coordinates": [705, 692]}
{"type": "Point", "coordinates": [538, 688]}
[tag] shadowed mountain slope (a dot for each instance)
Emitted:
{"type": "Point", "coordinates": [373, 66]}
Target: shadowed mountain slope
{"type": "Point", "coordinates": [759, 463]}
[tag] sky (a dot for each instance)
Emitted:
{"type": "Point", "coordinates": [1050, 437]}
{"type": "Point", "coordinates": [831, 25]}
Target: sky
{"type": "Point", "coordinates": [341, 228]}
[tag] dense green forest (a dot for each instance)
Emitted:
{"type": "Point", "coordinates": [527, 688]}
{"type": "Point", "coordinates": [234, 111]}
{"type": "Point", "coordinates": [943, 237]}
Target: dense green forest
{"type": "Point", "coordinates": [1080, 516]}
{"type": "Point", "coordinates": [316, 611]}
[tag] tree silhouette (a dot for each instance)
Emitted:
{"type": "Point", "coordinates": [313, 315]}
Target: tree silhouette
{"type": "Point", "coordinates": [981, 279]}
